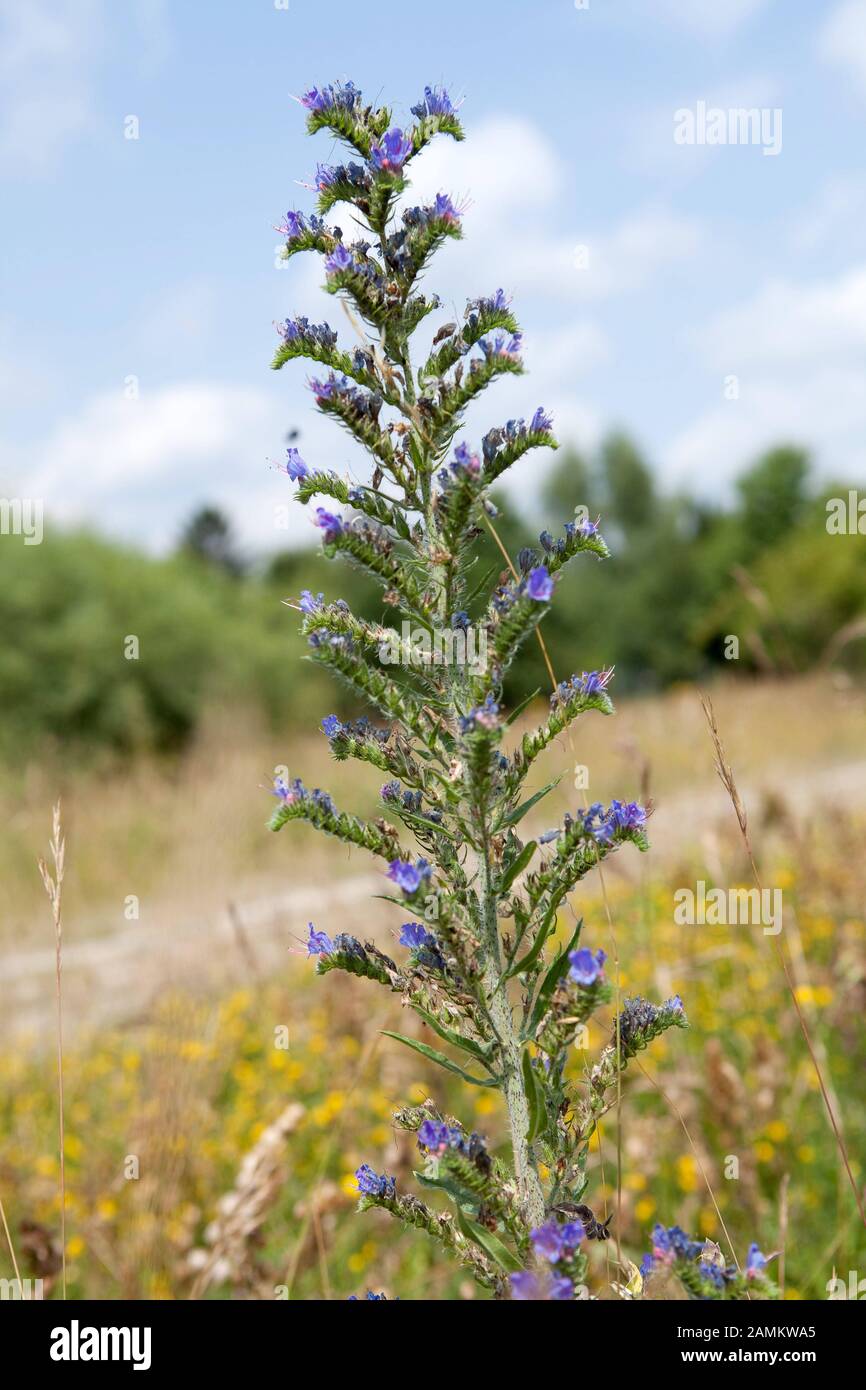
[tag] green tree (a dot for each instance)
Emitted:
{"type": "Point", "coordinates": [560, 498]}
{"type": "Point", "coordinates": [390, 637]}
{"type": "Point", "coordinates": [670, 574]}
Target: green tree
{"type": "Point", "coordinates": [773, 495]}
{"type": "Point", "coordinates": [208, 535]}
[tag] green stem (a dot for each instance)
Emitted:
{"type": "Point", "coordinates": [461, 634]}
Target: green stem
{"type": "Point", "coordinates": [525, 1169]}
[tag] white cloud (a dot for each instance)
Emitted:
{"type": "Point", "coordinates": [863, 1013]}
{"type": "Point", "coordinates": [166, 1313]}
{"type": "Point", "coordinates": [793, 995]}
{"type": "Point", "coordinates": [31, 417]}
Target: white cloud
{"type": "Point", "coordinates": [511, 178]}
{"type": "Point", "coordinates": [707, 19]}
{"type": "Point", "coordinates": [835, 214]}
{"type": "Point", "coordinates": [799, 353]}
{"type": "Point", "coordinates": [650, 143]}
{"type": "Point", "coordinates": [842, 42]}
{"type": "Point", "coordinates": [179, 320]}
{"type": "Point", "coordinates": [46, 57]}
{"type": "Point", "coordinates": [825, 411]}
{"type": "Point", "coordinates": [137, 467]}
{"type": "Point", "coordinates": [787, 323]}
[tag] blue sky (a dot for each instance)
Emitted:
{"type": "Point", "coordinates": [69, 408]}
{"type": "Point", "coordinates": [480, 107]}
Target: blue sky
{"type": "Point", "coordinates": [148, 266]}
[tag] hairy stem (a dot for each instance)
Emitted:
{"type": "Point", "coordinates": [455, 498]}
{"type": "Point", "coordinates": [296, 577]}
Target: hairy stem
{"type": "Point", "coordinates": [525, 1169]}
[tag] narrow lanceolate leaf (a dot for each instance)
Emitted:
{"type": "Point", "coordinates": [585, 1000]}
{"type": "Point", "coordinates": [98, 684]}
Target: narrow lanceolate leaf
{"type": "Point", "coordinates": [534, 1099]}
{"type": "Point", "coordinates": [555, 973]}
{"type": "Point", "coordinates": [448, 1035]}
{"type": "Point", "coordinates": [460, 1196]}
{"type": "Point", "coordinates": [518, 866]}
{"type": "Point", "coordinates": [520, 811]}
{"type": "Point", "coordinates": [489, 1243]}
{"type": "Point", "coordinates": [526, 962]}
{"type": "Point", "coordinates": [524, 704]}
{"type": "Point", "coordinates": [440, 1059]}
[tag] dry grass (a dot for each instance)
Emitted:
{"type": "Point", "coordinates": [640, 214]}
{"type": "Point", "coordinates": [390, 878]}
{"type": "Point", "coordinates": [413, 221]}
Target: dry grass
{"type": "Point", "coordinates": [191, 1084]}
{"type": "Point", "coordinates": [188, 836]}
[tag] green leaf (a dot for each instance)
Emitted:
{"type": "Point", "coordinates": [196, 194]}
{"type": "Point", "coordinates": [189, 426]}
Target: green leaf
{"type": "Point", "coordinates": [401, 525]}
{"type": "Point", "coordinates": [448, 1035]}
{"type": "Point", "coordinates": [518, 866]}
{"type": "Point", "coordinates": [482, 584]}
{"type": "Point", "coordinates": [489, 1243]}
{"type": "Point", "coordinates": [554, 975]}
{"type": "Point", "coordinates": [460, 1196]}
{"type": "Point", "coordinates": [518, 814]}
{"type": "Point", "coordinates": [440, 1059]}
{"type": "Point", "coordinates": [424, 824]}
{"type": "Point", "coordinates": [534, 1098]}
{"type": "Point", "coordinates": [544, 931]}
{"type": "Point", "coordinates": [518, 709]}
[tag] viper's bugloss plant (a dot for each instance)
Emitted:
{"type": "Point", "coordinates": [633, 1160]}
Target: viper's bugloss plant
{"type": "Point", "coordinates": [480, 902]}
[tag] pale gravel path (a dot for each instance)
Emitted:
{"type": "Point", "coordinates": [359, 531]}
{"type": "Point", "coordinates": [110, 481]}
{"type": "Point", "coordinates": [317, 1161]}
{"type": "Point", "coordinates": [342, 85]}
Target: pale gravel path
{"type": "Point", "coordinates": [116, 978]}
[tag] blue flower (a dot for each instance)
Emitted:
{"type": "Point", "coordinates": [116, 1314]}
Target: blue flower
{"type": "Point", "coordinates": [539, 585]}
{"type": "Point", "coordinates": [673, 1244]}
{"type": "Point", "coordinates": [423, 944]}
{"type": "Point", "coordinates": [435, 1136]}
{"type": "Point", "coordinates": [289, 793]}
{"type": "Point", "coordinates": [309, 604]}
{"type": "Point", "coordinates": [493, 303]}
{"type": "Point", "coordinates": [547, 1241]}
{"type": "Point", "coordinates": [374, 1184]}
{"type": "Point", "coordinates": [319, 944]}
{"type": "Point", "coordinates": [552, 1241]}
{"type": "Point", "coordinates": [627, 816]}
{"type": "Point", "coordinates": [527, 1286]}
{"type": "Point", "coordinates": [541, 422]}
{"type": "Point", "coordinates": [315, 100]}
{"type": "Point", "coordinates": [604, 825]}
{"type": "Point", "coordinates": [413, 935]}
{"type": "Point", "coordinates": [389, 154]}
{"type": "Point", "coordinates": [332, 726]}
{"type": "Point", "coordinates": [526, 558]}
{"type": "Point", "coordinates": [339, 259]}
{"type": "Point", "coordinates": [436, 103]}
{"type": "Point", "coordinates": [586, 968]}
{"type": "Point", "coordinates": [321, 335]}
{"type": "Point", "coordinates": [331, 526]}
{"type": "Point", "coordinates": [502, 345]}
{"type": "Point", "coordinates": [484, 716]}
{"type": "Point", "coordinates": [294, 227]}
{"type": "Point", "coordinates": [295, 466]}
{"type": "Point", "coordinates": [572, 1234]}
{"type": "Point", "coordinates": [444, 210]}
{"type": "Point", "coordinates": [408, 876]}
{"type": "Point", "coordinates": [369, 1297]}
{"type": "Point", "coordinates": [465, 460]}
{"type": "Point", "coordinates": [326, 174]}
{"type": "Point", "coordinates": [339, 95]}
{"type": "Point", "coordinates": [756, 1263]}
